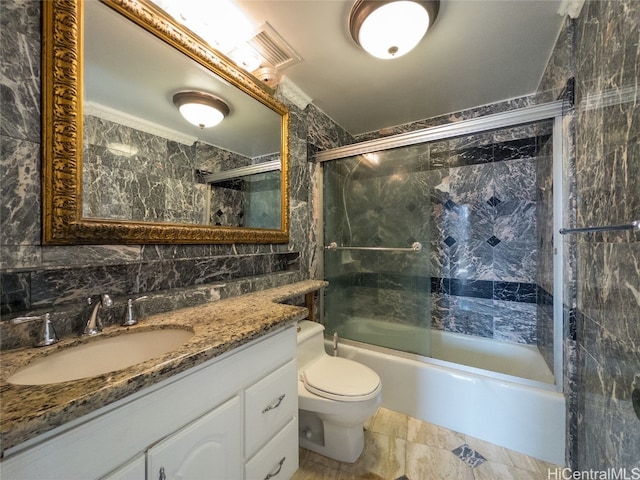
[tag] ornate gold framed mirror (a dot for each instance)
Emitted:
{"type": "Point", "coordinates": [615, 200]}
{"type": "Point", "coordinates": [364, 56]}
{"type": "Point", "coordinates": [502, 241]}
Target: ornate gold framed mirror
{"type": "Point", "coordinates": [86, 174]}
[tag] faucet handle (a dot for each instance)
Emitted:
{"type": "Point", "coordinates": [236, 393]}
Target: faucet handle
{"type": "Point", "coordinates": [130, 313]}
{"type": "Point", "coordinates": [48, 335]}
{"type": "Point", "coordinates": [129, 317]}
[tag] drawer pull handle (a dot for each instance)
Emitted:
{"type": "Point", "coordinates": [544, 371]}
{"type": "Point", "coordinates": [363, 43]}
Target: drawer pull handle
{"type": "Point", "coordinates": [162, 474]}
{"type": "Point", "coordinates": [276, 405]}
{"type": "Point", "coordinates": [271, 475]}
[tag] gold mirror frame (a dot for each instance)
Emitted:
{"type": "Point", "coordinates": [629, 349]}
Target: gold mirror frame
{"type": "Point", "coordinates": [63, 223]}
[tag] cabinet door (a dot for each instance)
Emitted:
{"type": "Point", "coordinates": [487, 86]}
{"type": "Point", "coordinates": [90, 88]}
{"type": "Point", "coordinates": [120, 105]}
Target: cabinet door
{"type": "Point", "coordinates": [132, 470]}
{"type": "Point", "coordinates": [208, 448]}
{"type": "Point", "coordinates": [269, 405]}
{"type": "Point", "coordinates": [278, 459]}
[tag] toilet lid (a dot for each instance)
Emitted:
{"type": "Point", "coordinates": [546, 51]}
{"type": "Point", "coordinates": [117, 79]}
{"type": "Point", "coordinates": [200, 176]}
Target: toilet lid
{"type": "Point", "coordinates": [341, 379]}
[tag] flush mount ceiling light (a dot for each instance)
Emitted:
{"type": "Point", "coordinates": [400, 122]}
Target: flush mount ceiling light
{"type": "Point", "coordinates": [201, 109]}
{"type": "Point", "coordinates": [389, 29]}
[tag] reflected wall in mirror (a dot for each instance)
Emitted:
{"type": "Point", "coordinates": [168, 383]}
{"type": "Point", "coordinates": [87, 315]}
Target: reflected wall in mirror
{"type": "Point", "coordinates": [139, 173]}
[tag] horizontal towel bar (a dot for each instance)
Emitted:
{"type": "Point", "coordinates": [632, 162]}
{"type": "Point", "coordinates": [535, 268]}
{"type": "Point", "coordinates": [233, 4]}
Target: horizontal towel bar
{"type": "Point", "coordinates": [635, 225]}
{"type": "Point", "coordinates": [415, 247]}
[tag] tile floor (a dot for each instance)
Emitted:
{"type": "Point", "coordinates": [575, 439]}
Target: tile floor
{"type": "Point", "coordinates": [399, 447]}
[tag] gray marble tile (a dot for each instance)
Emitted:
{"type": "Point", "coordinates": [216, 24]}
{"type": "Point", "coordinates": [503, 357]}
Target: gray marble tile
{"type": "Point", "coordinates": [439, 257]}
{"type": "Point", "coordinates": [515, 322]}
{"type": "Point", "coordinates": [471, 316]}
{"type": "Point", "coordinates": [20, 257]}
{"type": "Point", "coordinates": [84, 255]}
{"type": "Point", "coordinates": [20, 70]}
{"type": "Point", "coordinates": [515, 220]}
{"type": "Point", "coordinates": [515, 261]}
{"type": "Point", "coordinates": [322, 132]}
{"type": "Point", "coordinates": [468, 221]}
{"type": "Point", "coordinates": [515, 180]}
{"type": "Point", "coordinates": [469, 456]}
{"type": "Point", "coordinates": [606, 192]}
{"type": "Point", "coordinates": [440, 310]}
{"type": "Point", "coordinates": [472, 184]}
{"type": "Point", "coordinates": [475, 112]}
{"type": "Point", "coordinates": [16, 292]}
{"type": "Point", "coordinates": [473, 259]}
{"type": "Point", "coordinates": [20, 206]}
{"type": "Point", "coordinates": [160, 181]}
{"type": "Point", "coordinates": [609, 291]}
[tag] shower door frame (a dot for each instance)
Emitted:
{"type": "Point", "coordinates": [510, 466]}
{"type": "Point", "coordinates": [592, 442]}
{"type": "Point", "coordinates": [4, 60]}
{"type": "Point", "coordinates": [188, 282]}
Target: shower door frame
{"type": "Point", "coordinates": [547, 111]}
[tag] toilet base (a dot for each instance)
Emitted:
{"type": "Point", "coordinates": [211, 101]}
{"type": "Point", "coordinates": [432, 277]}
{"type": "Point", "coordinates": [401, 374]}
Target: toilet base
{"type": "Point", "coordinates": [338, 442]}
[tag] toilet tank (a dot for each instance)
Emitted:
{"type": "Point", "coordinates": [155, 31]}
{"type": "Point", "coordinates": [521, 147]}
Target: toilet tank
{"type": "Point", "coordinates": [310, 342]}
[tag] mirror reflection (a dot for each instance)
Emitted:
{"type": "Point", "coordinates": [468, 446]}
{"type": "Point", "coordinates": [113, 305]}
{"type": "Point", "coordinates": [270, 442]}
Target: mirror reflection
{"type": "Point", "coordinates": [143, 161]}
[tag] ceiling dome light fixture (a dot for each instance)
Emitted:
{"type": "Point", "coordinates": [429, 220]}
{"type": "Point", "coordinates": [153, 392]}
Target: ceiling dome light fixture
{"type": "Point", "coordinates": [200, 108]}
{"type": "Point", "coordinates": [391, 28]}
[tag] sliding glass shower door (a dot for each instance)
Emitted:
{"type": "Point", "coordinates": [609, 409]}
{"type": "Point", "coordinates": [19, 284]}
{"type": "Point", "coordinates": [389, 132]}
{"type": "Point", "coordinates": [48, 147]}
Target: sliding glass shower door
{"type": "Point", "coordinates": [376, 236]}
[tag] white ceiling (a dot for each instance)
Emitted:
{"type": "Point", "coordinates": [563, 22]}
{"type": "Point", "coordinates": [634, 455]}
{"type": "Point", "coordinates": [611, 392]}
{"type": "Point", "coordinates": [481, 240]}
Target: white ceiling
{"type": "Point", "coordinates": [477, 52]}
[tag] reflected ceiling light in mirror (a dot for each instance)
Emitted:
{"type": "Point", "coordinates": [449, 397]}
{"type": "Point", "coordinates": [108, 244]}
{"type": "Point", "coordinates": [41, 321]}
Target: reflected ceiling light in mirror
{"type": "Point", "coordinates": [372, 158]}
{"type": "Point", "coordinates": [221, 23]}
{"type": "Point", "coordinates": [200, 108]}
{"type": "Point", "coordinates": [390, 29]}
{"type": "Point", "coordinates": [246, 57]}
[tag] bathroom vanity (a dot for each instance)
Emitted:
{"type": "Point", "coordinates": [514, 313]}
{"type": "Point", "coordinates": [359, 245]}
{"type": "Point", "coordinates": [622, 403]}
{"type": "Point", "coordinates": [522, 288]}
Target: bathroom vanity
{"type": "Point", "coordinates": [224, 405]}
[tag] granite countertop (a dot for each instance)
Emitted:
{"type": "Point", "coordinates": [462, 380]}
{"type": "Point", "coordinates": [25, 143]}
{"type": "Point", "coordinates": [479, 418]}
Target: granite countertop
{"type": "Point", "coordinates": [219, 327]}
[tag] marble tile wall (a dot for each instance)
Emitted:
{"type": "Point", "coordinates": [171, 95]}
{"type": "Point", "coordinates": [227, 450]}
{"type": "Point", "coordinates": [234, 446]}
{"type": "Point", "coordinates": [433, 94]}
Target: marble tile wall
{"type": "Point", "coordinates": [157, 183]}
{"type": "Point", "coordinates": [607, 129]}
{"type": "Point", "coordinates": [558, 82]}
{"type": "Point", "coordinates": [161, 181]}
{"type": "Point", "coordinates": [34, 278]}
{"type": "Point", "coordinates": [599, 49]}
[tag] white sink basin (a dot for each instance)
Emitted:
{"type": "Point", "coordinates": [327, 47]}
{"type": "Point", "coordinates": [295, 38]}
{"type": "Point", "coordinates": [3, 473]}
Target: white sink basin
{"type": "Point", "coordinates": [100, 355]}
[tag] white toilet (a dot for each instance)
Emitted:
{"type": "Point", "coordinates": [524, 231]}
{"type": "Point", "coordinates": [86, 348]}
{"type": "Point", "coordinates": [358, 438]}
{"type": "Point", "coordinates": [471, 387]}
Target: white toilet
{"type": "Point", "coordinates": [335, 397]}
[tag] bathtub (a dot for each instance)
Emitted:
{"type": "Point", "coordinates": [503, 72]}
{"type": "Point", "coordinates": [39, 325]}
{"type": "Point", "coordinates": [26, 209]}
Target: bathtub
{"type": "Point", "coordinates": [517, 408]}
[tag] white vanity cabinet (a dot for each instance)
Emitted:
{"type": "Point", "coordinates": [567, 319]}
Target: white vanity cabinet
{"type": "Point", "coordinates": [232, 417]}
{"type": "Point", "coordinates": [134, 469]}
{"type": "Point", "coordinates": [204, 449]}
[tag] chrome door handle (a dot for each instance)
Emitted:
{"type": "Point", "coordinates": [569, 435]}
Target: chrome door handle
{"type": "Point", "coordinates": [276, 405]}
{"type": "Point", "coordinates": [271, 475]}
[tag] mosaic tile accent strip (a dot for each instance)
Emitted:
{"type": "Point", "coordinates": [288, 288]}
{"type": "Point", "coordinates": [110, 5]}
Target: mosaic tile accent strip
{"type": "Point", "coordinates": [493, 240]}
{"type": "Point", "coordinates": [450, 204]}
{"type": "Point", "coordinates": [493, 201]}
{"type": "Point", "coordinates": [449, 241]}
{"type": "Point", "coordinates": [506, 291]}
{"type": "Point", "coordinates": [469, 456]}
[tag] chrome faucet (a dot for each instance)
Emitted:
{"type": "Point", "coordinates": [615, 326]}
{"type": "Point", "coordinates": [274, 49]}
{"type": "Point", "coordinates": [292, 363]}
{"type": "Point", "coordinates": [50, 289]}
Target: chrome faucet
{"type": "Point", "coordinates": [94, 324]}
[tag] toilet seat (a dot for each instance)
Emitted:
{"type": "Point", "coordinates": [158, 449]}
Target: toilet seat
{"type": "Point", "coordinates": [341, 379]}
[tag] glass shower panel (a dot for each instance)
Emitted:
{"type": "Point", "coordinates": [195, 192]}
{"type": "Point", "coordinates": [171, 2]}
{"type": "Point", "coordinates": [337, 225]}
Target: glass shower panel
{"type": "Point", "coordinates": [481, 206]}
{"type": "Point", "coordinates": [376, 212]}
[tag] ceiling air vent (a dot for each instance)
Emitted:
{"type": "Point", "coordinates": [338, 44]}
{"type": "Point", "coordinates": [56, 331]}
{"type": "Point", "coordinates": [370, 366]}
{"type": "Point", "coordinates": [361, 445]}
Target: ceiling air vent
{"type": "Point", "coordinates": [272, 47]}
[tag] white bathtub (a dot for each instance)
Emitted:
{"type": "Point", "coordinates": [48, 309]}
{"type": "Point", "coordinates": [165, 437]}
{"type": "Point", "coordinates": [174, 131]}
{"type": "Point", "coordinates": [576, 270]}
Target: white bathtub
{"type": "Point", "coordinates": [522, 414]}
{"type": "Point", "coordinates": [523, 361]}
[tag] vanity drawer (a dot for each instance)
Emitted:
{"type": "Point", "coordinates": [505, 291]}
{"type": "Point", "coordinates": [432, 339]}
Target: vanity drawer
{"type": "Point", "coordinates": [269, 405]}
{"type": "Point", "coordinates": [278, 459]}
